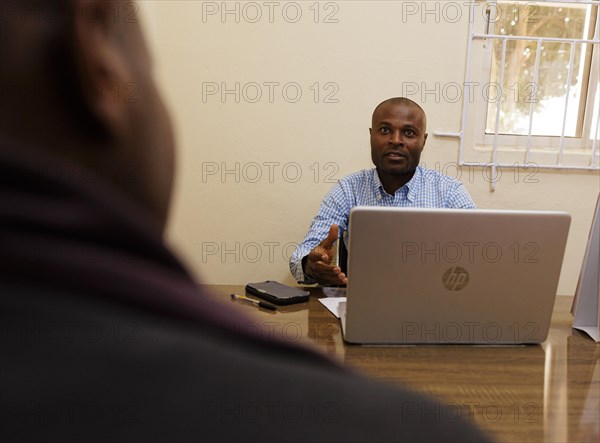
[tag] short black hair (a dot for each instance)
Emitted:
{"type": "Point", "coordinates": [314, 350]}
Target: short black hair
{"type": "Point", "coordinates": [398, 101]}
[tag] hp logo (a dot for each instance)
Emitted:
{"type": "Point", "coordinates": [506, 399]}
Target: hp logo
{"type": "Point", "coordinates": [455, 279]}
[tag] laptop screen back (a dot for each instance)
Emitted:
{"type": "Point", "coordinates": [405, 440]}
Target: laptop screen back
{"type": "Point", "coordinates": [452, 276]}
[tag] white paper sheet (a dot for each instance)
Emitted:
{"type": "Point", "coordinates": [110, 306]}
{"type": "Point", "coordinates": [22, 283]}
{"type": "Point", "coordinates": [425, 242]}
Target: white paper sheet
{"type": "Point", "coordinates": [333, 304]}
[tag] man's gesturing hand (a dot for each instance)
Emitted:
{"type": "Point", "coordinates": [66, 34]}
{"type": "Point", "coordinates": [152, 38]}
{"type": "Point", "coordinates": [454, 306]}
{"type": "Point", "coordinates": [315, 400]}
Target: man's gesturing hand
{"type": "Point", "coordinates": [317, 264]}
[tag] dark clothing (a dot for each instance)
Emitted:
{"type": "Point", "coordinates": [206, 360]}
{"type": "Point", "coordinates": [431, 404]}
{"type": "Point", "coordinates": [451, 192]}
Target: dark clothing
{"type": "Point", "coordinates": [104, 336]}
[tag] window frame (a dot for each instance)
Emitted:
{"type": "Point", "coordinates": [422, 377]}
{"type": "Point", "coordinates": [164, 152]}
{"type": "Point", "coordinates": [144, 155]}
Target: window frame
{"type": "Point", "coordinates": [582, 144]}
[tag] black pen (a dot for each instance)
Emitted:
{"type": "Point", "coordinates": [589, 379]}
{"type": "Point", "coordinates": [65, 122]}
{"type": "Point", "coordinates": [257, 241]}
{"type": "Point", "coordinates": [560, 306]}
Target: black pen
{"type": "Point", "coordinates": [257, 303]}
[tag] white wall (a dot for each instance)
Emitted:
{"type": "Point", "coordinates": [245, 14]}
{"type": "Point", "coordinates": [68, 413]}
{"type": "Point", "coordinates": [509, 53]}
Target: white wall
{"type": "Point", "coordinates": [240, 227]}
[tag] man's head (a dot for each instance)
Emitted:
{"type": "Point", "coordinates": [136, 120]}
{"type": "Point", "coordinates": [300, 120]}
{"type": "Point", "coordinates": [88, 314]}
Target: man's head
{"type": "Point", "coordinates": [76, 79]}
{"type": "Point", "coordinates": [398, 135]}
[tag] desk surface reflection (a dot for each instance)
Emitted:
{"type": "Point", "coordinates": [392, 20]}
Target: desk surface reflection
{"type": "Point", "coordinates": [535, 393]}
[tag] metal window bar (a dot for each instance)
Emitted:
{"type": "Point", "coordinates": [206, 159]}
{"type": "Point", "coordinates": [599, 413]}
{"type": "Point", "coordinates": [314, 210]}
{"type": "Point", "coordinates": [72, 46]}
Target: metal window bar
{"type": "Point", "coordinates": [595, 147]}
{"type": "Point", "coordinates": [494, 165]}
{"type": "Point", "coordinates": [536, 75]}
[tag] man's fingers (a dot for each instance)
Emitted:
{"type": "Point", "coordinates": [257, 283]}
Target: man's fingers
{"type": "Point", "coordinates": [317, 255]}
{"type": "Point", "coordinates": [318, 261]}
{"type": "Point", "coordinates": [324, 267]}
{"type": "Point", "coordinates": [328, 274]}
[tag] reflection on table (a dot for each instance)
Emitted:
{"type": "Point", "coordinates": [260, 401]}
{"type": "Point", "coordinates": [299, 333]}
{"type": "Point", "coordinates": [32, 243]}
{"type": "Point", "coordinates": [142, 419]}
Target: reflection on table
{"type": "Point", "coordinates": [534, 393]}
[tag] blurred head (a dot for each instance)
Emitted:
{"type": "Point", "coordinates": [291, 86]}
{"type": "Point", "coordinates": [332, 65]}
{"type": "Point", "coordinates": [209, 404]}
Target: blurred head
{"type": "Point", "coordinates": [398, 135]}
{"type": "Point", "coordinates": [76, 79]}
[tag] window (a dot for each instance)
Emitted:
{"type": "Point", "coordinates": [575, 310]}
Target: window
{"type": "Point", "coordinates": [543, 77]}
{"type": "Point", "coordinates": [537, 64]}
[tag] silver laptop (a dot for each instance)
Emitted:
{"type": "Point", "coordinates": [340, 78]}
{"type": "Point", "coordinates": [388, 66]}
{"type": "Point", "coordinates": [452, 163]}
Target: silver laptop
{"type": "Point", "coordinates": [452, 276]}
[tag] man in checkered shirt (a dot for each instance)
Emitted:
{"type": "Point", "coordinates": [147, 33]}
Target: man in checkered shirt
{"type": "Point", "coordinates": [398, 136]}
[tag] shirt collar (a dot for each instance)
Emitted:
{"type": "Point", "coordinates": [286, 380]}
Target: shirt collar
{"type": "Point", "coordinates": [411, 186]}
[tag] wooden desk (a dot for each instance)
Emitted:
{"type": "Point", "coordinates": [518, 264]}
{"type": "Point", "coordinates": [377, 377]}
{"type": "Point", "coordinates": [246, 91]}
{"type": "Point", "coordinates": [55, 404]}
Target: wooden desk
{"type": "Point", "coordinates": [547, 393]}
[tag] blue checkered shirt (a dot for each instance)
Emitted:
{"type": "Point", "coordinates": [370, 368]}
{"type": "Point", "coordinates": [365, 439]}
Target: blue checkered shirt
{"type": "Point", "coordinates": [427, 189]}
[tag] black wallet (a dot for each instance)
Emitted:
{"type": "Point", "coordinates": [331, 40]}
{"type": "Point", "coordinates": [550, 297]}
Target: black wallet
{"type": "Point", "coordinates": [277, 293]}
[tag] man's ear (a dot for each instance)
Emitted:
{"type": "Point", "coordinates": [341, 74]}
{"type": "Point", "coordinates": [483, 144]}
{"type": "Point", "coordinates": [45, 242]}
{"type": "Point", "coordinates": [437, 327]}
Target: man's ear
{"type": "Point", "coordinates": [370, 131]}
{"type": "Point", "coordinates": [425, 139]}
{"type": "Point", "coordinates": [101, 64]}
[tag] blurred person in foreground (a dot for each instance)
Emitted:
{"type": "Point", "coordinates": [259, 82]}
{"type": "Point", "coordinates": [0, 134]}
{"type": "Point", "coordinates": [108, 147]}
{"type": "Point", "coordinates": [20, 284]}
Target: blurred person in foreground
{"type": "Point", "coordinates": [104, 334]}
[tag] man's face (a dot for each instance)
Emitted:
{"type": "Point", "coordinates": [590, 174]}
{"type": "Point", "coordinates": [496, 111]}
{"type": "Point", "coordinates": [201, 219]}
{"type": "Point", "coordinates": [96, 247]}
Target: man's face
{"type": "Point", "coordinates": [397, 138]}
